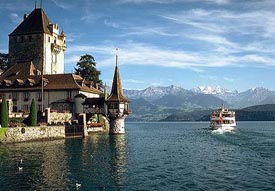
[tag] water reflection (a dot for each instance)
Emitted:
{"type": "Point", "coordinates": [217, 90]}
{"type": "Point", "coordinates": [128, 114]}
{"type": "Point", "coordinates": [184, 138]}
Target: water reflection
{"type": "Point", "coordinates": [97, 162]}
{"type": "Point", "coordinates": [118, 153]}
{"type": "Point", "coordinates": [44, 164]}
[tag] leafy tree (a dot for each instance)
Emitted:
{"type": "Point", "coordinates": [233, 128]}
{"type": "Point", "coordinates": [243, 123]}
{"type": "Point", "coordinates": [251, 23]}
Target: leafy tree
{"type": "Point", "coordinates": [86, 68]}
{"type": "Point", "coordinates": [33, 114]}
{"type": "Point", "coordinates": [3, 61]}
{"type": "Point", "coordinates": [4, 113]}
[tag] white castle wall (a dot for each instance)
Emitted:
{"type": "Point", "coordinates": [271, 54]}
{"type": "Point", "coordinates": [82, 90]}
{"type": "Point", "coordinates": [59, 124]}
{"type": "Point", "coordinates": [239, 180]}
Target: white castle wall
{"type": "Point", "coordinates": [117, 126]}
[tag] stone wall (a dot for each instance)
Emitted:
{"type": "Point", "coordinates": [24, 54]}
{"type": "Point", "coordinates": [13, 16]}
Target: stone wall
{"type": "Point", "coordinates": [54, 117]}
{"type": "Point", "coordinates": [24, 48]}
{"type": "Point", "coordinates": [21, 134]}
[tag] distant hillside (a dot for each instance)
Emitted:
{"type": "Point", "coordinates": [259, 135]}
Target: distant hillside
{"type": "Point", "coordinates": [265, 107]}
{"type": "Point", "coordinates": [156, 103]}
{"type": "Point", "coordinates": [144, 110]}
{"type": "Point", "coordinates": [253, 113]}
{"type": "Point", "coordinates": [176, 103]}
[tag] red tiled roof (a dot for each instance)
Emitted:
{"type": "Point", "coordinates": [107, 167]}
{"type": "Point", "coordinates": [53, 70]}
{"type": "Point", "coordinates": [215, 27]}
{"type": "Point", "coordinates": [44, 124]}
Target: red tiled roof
{"type": "Point", "coordinates": [27, 72]}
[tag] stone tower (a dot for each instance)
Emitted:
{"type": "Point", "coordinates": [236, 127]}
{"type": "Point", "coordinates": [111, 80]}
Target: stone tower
{"type": "Point", "coordinates": [38, 40]}
{"type": "Point", "coordinates": [118, 105]}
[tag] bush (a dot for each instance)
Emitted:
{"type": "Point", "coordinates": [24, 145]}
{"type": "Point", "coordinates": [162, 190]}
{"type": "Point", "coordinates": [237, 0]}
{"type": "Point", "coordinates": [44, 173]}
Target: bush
{"type": "Point", "coordinates": [4, 113]}
{"type": "Point", "coordinates": [33, 114]}
{"type": "Point", "coordinates": [17, 122]}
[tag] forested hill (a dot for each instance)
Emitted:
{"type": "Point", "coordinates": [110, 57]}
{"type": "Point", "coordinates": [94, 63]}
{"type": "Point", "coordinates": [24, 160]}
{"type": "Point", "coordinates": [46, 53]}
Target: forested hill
{"type": "Point", "coordinates": [253, 113]}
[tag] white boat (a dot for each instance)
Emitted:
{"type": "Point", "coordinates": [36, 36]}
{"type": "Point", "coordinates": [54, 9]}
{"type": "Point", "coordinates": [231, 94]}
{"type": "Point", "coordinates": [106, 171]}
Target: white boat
{"type": "Point", "coordinates": [223, 119]}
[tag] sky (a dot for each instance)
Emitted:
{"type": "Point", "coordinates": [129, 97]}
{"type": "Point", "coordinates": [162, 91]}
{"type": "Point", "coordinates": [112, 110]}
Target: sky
{"type": "Point", "coordinates": [187, 43]}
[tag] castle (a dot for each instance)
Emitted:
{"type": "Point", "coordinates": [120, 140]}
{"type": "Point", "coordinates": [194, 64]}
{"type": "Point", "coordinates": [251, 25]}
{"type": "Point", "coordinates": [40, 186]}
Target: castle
{"type": "Point", "coordinates": [36, 71]}
{"type": "Point", "coordinates": [38, 40]}
{"type": "Point", "coordinates": [36, 68]}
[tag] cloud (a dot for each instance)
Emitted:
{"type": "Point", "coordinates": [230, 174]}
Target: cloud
{"type": "Point", "coordinates": [133, 81]}
{"type": "Point", "coordinates": [112, 24]}
{"type": "Point", "coordinates": [147, 1]}
{"type": "Point", "coordinates": [91, 17]}
{"type": "Point", "coordinates": [229, 79]}
{"type": "Point", "coordinates": [14, 18]}
{"type": "Point", "coordinates": [62, 5]}
{"type": "Point", "coordinates": [219, 1]}
{"type": "Point", "coordinates": [145, 54]}
{"type": "Point", "coordinates": [137, 31]}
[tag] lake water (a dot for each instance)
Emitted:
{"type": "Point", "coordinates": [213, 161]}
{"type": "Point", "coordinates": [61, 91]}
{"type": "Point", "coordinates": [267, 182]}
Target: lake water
{"type": "Point", "coordinates": [150, 156]}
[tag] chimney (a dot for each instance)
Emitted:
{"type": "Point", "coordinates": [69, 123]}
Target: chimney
{"type": "Point", "coordinates": [25, 16]}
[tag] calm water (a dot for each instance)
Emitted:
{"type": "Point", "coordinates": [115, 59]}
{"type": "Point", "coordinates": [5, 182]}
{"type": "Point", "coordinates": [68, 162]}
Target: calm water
{"type": "Point", "coordinates": [151, 156]}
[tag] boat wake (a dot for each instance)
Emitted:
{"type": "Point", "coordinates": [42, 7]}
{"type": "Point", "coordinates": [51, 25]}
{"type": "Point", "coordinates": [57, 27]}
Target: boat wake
{"type": "Point", "coordinates": [221, 131]}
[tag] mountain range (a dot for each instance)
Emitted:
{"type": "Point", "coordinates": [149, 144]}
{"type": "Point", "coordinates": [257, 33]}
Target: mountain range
{"type": "Point", "coordinates": [158, 103]}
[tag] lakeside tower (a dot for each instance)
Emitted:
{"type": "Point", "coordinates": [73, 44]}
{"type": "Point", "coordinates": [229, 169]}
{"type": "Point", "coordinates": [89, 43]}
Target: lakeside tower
{"type": "Point", "coordinates": [37, 40]}
{"type": "Point", "coordinates": [118, 105]}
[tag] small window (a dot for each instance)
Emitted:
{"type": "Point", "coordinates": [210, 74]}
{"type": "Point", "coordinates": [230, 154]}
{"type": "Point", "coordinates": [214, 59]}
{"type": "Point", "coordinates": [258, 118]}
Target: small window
{"type": "Point", "coordinates": [14, 96]}
{"type": "Point", "coordinates": [26, 96]}
{"type": "Point", "coordinates": [26, 108]}
{"type": "Point", "coordinates": [30, 38]}
{"type": "Point", "coordinates": [49, 39]}
{"type": "Point", "coordinates": [21, 39]}
{"type": "Point", "coordinates": [69, 94]}
{"type": "Point", "coordinates": [39, 107]}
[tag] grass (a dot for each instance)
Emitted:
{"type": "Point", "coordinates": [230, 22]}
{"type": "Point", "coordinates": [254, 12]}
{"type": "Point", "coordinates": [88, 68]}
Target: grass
{"type": "Point", "coordinates": [3, 133]}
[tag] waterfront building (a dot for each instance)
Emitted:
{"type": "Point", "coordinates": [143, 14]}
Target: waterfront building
{"type": "Point", "coordinates": [22, 82]}
{"type": "Point", "coordinates": [36, 69]}
{"type": "Point", "coordinates": [117, 104]}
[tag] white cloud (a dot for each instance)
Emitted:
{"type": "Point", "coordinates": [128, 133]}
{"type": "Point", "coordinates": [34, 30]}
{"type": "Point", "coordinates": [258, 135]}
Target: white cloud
{"type": "Point", "coordinates": [63, 5]}
{"type": "Point", "coordinates": [148, 1]}
{"type": "Point", "coordinates": [147, 31]}
{"type": "Point", "coordinates": [229, 79]}
{"type": "Point", "coordinates": [133, 81]}
{"type": "Point", "coordinates": [14, 18]}
{"type": "Point", "coordinates": [111, 24]}
{"type": "Point", "coordinates": [145, 54]}
{"type": "Point", "coordinates": [219, 1]}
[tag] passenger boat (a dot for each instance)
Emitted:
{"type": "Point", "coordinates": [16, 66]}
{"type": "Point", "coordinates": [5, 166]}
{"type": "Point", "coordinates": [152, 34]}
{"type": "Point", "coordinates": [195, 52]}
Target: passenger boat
{"type": "Point", "coordinates": [223, 119]}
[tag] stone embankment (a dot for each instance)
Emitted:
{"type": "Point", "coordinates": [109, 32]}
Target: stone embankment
{"type": "Point", "coordinates": [22, 134]}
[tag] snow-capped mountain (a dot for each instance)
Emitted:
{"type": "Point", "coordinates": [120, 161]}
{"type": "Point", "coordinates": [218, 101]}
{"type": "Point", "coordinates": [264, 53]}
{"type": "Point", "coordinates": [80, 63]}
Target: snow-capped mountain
{"type": "Point", "coordinates": [213, 90]}
{"type": "Point", "coordinates": [253, 96]}
{"type": "Point", "coordinates": [154, 92]}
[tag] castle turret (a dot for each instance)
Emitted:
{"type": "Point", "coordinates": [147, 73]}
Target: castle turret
{"type": "Point", "coordinates": [38, 40]}
{"type": "Point", "coordinates": [118, 105]}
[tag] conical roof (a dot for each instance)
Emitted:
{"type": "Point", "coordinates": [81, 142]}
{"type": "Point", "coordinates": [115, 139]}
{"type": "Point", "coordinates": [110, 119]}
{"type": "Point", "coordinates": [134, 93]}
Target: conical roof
{"type": "Point", "coordinates": [36, 22]}
{"type": "Point", "coordinates": [117, 91]}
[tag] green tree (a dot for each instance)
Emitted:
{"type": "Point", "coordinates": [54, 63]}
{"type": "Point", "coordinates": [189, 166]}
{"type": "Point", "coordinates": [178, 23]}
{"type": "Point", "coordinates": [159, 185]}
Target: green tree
{"type": "Point", "coordinates": [4, 113]}
{"type": "Point", "coordinates": [86, 68]}
{"type": "Point", "coordinates": [3, 61]}
{"type": "Point", "coordinates": [33, 114]}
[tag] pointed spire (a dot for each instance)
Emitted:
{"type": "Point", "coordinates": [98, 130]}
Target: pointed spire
{"type": "Point", "coordinates": [105, 91]}
{"type": "Point", "coordinates": [62, 33]}
{"type": "Point", "coordinates": [117, 91]}
{"type": "Point", "coordinates": [116, 56]}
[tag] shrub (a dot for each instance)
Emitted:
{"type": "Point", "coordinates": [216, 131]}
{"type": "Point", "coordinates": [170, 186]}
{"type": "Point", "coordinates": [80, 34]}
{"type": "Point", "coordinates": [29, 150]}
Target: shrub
{"type": "Point", "coordinates": [33, 114]}
{"type": "Point", "coordinates": [4, 113]}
